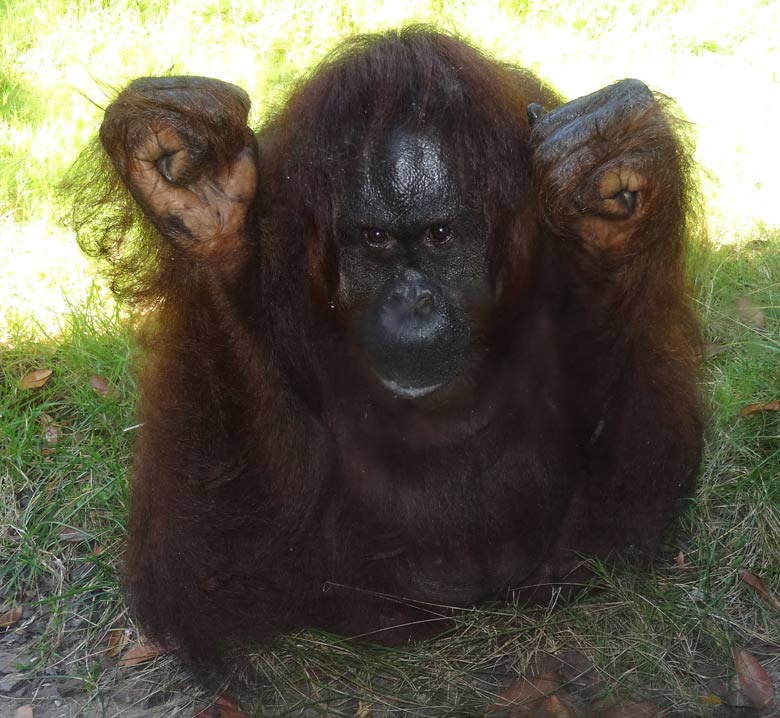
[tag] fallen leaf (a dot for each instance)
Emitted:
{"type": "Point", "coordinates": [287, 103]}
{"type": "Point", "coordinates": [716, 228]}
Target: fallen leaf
{"type": "Point", "coordinates": [23, 712]}
{"type": "Point", "coordinates": [750, 314]}
{"type": "Point", "coordinates": [11, 616]}
{"type": "Point", "coordinates": [716, 688]}
{"type": "Point", "coordinates": [229, 708]}
{"type": "Point", "coordinates": [756, 408]}
{"type": "Point", "coordinates": [117, 640]}
{"type": "Point", "coordinates": [51, 430]}
{"type": "Point", "coordinates": [68, 534]}
{"type": "Point", "coordinates": [712, 349]}
{"type": "Point", "coordinates": [100, 384]}
{"type": "Point", "coordinates": [223, 707]}
{"type": "Point", "coordinates": [141, 651]}
{"type": "Point", "coordinates": [554, 707]}
{"type": "Point", "coordinates": [363, 710]}
{"type": "Point", "coordinates": [711, 699]}
{"type": "Point", "coordinates": [521, 695]}
{"type": "Point", "coordinates": [753, 679]}
{"type": "Point", "coordinates": [629, 709]}
{"type": "Point", "coordinates": [580, 675]}
{"type": "Point", "coordinates": [758, 586]}
{"type": "Point", "coordinates": [35, 379]}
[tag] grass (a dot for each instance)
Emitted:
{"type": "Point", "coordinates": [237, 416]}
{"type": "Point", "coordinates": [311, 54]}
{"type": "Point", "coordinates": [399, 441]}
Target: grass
{"type": "Point", "coordinates": [65, 448]}
{"type": "Point", "coordinates": [62, 477]}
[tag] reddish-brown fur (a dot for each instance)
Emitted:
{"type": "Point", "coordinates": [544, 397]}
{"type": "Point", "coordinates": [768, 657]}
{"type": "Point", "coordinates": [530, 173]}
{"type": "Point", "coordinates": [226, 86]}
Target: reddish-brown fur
{"type": "Point", "coordinates": [272, 491]}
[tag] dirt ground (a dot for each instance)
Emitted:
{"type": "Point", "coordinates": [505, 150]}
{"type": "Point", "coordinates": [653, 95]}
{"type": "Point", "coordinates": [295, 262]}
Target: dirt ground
{"type": "Point", "coordinates": [73, 683]}
{"type": "Point", "coordinates": [81, 681]}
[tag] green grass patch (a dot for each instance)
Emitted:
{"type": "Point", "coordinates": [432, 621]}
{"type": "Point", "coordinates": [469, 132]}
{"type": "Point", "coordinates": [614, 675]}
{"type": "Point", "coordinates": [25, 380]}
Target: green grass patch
{"type": "Point", "coordinates": [65, 449]}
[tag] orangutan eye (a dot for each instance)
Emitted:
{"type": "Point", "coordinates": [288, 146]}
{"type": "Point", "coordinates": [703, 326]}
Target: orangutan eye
{"type": "Point", "coordinates": [438, 234]}
{"type": "Point", "coordinates": [377, 238]}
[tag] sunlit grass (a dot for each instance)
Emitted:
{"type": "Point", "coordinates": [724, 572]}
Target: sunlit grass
{"type": "Point", "coordinates": [63, 464]}
{"type": "Point", "coordinates": [40, 273]}
{"type": "Point", "coordinates": [60, 62]}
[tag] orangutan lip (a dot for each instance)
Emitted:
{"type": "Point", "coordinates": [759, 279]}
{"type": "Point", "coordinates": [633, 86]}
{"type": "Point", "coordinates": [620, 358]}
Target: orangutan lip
{"type": "Point", "coordinates": [409, 392]}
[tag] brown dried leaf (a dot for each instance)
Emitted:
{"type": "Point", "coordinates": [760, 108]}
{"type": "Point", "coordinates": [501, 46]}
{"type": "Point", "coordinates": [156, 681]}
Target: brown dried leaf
{"type": "Point", "coordinates": [141, 651]}
{"type": "Point", "coordinates": [229, 708]}
{"type": "Point", "coordinates": [716, 688]}
{"type": "Point", "coordinates": [23, 712]}
{"type": "Point", "coordinates": [750, 314]}
{"type": "Point", "coordinates": [68, 534]}
{"type": "Point", "coordinates": [51, 430]}
{"type": "Point", "coordinates": [579, 674]}
{"type": "Point", "coordinates": [11, 616]}
{"type": "Point", "coordinates": [363, 710]}
{"type": "Point", "coordinates": [712, 349]}
{"type": "Point", "coordinates": [100, 385]}
{"type": "Point", "coordinates": [35, 379]}
{"type": "Point", "coordinates": [117, 640]}
{"type": "Point", "coordinates": [521, 695]}
{"type": "Point", "coordinates": [756, 408]}
{"type": "Point", "coordinates": [629, 709]}
{"type": "Point", "coordinates": [753, 679]}
{"type": "Point", "coordinates": [554, 707]}
{"type": "Point", "coordinates": [223, 707]}
{"type": "Point", "coordinates": [758, 586]}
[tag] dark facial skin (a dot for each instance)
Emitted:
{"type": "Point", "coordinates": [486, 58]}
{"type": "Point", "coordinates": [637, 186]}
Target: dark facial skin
{"type": "Point", "coordinates": [412, 264]}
